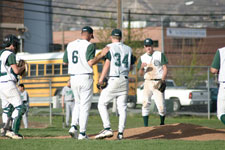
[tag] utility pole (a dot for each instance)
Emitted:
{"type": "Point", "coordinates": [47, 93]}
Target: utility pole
{"type": "Point", "coordinates": [162, 26]}
{"type": "Point", "coordinates": [129, 26]}
{"type": "Point", "coordinates": [119, 14]}
{"type": "Point", "coordinates": [63, 46]}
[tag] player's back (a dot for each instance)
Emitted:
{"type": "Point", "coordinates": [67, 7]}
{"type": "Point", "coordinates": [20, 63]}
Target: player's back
{"type": "Point", "coordinates": [120, 59]}
{"type": "Point", "coordinates": [76, 52]}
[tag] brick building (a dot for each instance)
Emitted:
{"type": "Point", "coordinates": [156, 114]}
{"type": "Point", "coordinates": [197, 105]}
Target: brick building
{"type": "Point", "coordinates": [11, 19]}
{"type": "Point", "coordinates": [181, 49]}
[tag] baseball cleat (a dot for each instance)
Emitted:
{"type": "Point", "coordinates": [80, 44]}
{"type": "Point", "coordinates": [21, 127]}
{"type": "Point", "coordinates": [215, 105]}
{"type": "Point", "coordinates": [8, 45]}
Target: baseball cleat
{"type": "Point", "coordinates": [104, 134]}
{"type": "Point", "coordinates": [12, 135]}
{"type": "Point", "coordinates": [82, 137]}
{"type": "Point", "coordinates": [73, 132]}
{"type": "Point", "coordinates": [120, 136]}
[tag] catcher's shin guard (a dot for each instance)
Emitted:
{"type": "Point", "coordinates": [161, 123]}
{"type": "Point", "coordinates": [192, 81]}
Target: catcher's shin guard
{"type": "Point", "coordinates": [222, 118]}
{"type": "Point", "coordinates": [17, 120]}
{"type": "Point", "coordinates": [8, 111]}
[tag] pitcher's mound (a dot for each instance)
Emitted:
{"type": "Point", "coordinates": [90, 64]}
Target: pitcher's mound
{"type": "Point", "coordinates": [178, 131]}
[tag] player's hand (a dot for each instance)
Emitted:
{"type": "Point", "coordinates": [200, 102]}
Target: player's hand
{"type": "Point", "coordinates": [143, 65]}
{"type": "Point", "coordinates": [104, 51]}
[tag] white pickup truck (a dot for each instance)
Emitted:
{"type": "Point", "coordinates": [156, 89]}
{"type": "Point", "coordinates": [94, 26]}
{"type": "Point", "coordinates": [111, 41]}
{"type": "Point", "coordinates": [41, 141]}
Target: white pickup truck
{"type": "Point", "coordinates": [181, 96]}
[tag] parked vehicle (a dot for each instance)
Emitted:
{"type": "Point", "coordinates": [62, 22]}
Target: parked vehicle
{"type": "Point", "coordinates": [181, 96]}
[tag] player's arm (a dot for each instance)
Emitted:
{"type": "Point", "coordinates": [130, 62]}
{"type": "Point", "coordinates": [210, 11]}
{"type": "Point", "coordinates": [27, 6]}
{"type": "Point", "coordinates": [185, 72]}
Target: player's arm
{"type": "Point", "coordinates": [105, 70]}
{"type": "Point", "coordinates": [65, 58]}
{"type": "Point", "coordinates": [140, 67]}
{"type": "Point", "coordinates": [92, 59]}
{"type": "Point", "coordinates": [216, 63]}
{"type": "Point", "coordinates": [164, 63]}
{"type": "Point", "coordinates": [63, 97]}
{"type": "Point", "coordinates": [11, 61]}
{"type": "Point", "coordinates": [165, 70]}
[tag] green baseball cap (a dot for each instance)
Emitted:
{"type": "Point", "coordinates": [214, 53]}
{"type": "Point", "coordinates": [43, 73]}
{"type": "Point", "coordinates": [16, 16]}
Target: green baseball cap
{"type": "Point", "coordinates": [148, 42]}
{"type": "Point", "coordinates": [88, 29]}
{"type": "Point", "coordinates": [116, 32]}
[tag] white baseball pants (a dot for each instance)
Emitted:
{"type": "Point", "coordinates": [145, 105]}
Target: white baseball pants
{"type": "Point", "coordinates": [82, 86]}
{"type": "Point", "coordinates": [117, 88]}
{"type": "Point", "coordinates": [149, 90]}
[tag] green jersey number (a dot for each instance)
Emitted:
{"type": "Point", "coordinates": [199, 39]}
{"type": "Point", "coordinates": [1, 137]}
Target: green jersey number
{"type": "Point", "coordinates": [2, 73]}
{"type": "Point", "coordinates": [75, 57]}
{"type": "Point", "coordinates": [118, 60]}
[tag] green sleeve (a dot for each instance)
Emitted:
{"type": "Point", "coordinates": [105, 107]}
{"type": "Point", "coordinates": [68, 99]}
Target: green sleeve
{"type": "Point", "coordinates": [133, 59]}
{"type": "Point", "coordinates": [163, 59]}
{"type": "Point", "coordinates": [90, 54]}
{"type": "Point", "coordinates": [65, 57]}
{"type": "Point", "coordinates": [108, 56]}
{"type": "Point", "coordinates": [216, 61]}
{"type": "Point", "coordinates": [139, 64]}
{"type": "Point", "coordinates": [11, 60]}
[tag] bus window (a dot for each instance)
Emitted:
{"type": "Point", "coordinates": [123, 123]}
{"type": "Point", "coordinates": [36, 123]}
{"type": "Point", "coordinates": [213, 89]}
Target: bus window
{"type": "Point", "coordinates": [48, 69]}
{"type": "Point", "coordinates": [40, 69]}
{"type": "Point", "coordinates": [65, 69]}
{"type": "Point", "coordinates": [33, 70]}
{"type": "Point", "coordinates": [56, 69]}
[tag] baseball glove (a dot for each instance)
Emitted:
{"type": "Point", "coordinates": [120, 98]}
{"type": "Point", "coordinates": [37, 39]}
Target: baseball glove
{"type": "Point", "coordinates": [104, 85]}
{"type": "Point", "coordinates": [161, 86]}
{"type": "Point", "coordinates": [23, 63]}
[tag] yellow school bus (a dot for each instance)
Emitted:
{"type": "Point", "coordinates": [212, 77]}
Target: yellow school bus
{"type": "Point", "coordinates": [47, 76]}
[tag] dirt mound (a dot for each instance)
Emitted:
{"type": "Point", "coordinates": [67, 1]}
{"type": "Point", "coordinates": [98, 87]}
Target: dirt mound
{"type": "Point", "coordinates": [179, 131]}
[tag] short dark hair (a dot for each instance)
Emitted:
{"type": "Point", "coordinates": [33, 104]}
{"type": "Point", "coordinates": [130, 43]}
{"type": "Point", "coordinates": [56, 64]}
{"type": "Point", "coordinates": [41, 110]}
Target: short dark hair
{"type": "Point", "coordinates": [21, 85]}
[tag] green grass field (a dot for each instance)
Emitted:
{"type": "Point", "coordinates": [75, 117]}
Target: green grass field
{"type": "Point", "coordinates": [95, 125]}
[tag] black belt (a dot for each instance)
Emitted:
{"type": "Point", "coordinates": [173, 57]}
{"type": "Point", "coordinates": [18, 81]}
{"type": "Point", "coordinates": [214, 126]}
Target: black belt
{"type": "Point", "coordinates": [81, 74]}
{"type": "Point", "coordinates": [155, 79]}
{"type": "Point", "coordinates": [119, 76]}
{"type": "Point", "coordinates": [69, 100]}
{"type": "Point", "coordinates": [3, 81]}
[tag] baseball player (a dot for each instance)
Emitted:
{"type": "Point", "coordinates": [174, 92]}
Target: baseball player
{"type": "Point", "coordinates": [119, 61]}
{"type": "Point", "coordinates": [152, 65]}
{"type": "Point", "coordinates": [218, 67]}
{"type": "Point", "coordinates": [25, 99]}
{"type": "Point", "coordinates": [68, 99]}
{"type": "Point", "coordinates": [80, 57]}
{"type": "Point", "coordinates": [8, 78]}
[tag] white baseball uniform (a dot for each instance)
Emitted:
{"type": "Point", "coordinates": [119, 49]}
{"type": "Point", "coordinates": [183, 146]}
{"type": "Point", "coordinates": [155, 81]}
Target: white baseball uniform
{"type": "Point", "coordinates": [153, 73]}
{"type": "Point", "coordinates": [120, 56]}
{"type": "Point", "coordinates": [219, 63]}
{"type": "Point", "coordinates": [69, 101]}
{"type": "Point", "coordinates": [77, 55]}
{"type": "Point", "coordinates": [8, 79]}
{"type": "Point", "coordinates": [25, 99]}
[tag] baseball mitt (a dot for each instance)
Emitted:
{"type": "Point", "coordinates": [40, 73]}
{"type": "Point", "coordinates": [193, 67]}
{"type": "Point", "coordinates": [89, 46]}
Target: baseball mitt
{"type": "Point", "coordinates": [23, 63]}
{"type": "Point", "coordinates": [161, 86]}
{"type": "Point", "coordinates": [103, 85]}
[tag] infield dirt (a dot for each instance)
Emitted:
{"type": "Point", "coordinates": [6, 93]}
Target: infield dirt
{"type": "Point", "coordinates": [178, 131]}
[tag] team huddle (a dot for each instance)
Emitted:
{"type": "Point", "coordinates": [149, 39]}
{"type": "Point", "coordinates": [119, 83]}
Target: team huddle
{"type": "Point", "coordinates": [113, 83]}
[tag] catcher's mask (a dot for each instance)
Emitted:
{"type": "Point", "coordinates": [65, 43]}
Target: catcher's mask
{"type": "Point", "coordinates": [11, 40]}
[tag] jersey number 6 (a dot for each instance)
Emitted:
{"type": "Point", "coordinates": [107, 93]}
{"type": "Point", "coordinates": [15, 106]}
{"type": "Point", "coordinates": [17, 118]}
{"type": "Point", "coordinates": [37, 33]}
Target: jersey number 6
{"type": "Point", "coordinates": [75, 57]}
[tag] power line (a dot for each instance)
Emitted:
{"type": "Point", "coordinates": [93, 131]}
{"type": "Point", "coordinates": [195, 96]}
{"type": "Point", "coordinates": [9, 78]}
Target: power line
{"type": "Point", "coordinates": [55, 13]}
{"type": "Point", "coordinates": [62, 7]}
{"type": "Point", "coordinates": [133, 13]}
